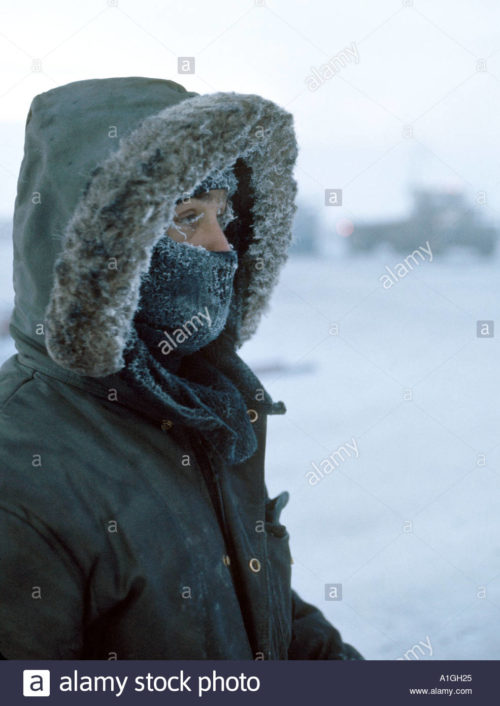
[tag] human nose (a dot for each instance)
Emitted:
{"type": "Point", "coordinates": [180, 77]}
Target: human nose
{"type": "Point", "coordinates": [213, 238]}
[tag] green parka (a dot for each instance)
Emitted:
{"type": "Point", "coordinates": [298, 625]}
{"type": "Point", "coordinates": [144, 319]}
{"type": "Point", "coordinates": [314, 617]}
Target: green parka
{"type": "Point", "coordinates": [111, 539]}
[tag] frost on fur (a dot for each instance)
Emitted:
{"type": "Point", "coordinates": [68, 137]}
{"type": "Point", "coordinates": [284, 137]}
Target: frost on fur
{"type": "Point", "coordinates": [131, 196]}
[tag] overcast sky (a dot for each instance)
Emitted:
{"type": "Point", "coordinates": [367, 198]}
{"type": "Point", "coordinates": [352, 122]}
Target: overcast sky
{"type": "Point", "coordinates": [413, 91]}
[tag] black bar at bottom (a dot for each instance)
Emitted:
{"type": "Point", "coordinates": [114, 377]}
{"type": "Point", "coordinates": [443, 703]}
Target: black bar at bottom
{"type": "Point", "coordinates": [281, 683]}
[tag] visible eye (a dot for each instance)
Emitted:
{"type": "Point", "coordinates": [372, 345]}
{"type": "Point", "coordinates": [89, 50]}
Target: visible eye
{"type": "Point", "coordinates": [194, 218]}
{"type": "Point", "coordinates": [189, 219]}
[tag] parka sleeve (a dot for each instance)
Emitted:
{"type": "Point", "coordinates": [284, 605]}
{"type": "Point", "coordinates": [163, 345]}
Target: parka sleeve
{"type": "Point", "coordinates": [41, 594]}
{"type": "Point", "coordinates": [313, 637]}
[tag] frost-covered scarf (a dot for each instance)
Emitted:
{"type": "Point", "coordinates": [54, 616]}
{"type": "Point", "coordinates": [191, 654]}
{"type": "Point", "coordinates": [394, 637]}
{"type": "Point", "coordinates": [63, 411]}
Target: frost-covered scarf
{"type": "Point", "coordinates": [184, 305]}
{"type": "Point", "coordinates": [179, 357]}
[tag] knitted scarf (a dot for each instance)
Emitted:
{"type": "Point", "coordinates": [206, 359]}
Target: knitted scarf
{"type": "Point", "coordinates": [174, 360]}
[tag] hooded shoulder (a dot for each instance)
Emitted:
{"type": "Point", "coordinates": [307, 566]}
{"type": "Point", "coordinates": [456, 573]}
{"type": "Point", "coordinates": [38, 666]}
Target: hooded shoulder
{"type": "Point", "coordinates": [105, 160]}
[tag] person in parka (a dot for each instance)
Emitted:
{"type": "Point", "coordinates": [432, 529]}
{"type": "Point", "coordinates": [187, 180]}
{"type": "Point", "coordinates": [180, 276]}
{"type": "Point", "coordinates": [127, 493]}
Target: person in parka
{"type": "Point", "coordinates": [135, 521]}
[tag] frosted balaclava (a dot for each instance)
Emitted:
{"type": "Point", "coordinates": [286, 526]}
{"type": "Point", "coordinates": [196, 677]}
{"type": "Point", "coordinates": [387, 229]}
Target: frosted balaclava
{"type": "Point", "coordinates": [184, 302]}
{"type": "Point", "coordinates": [186, 294]}
{"type": "Point", "coordinates": [185, 297]}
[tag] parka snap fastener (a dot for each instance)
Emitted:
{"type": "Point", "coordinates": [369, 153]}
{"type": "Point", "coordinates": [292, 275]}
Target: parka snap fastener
{"type": "Point", "coordinates": [254, 564]}
{"type": "Point", "coordinates": [166, 424]}
{"type": "Point", "coordinates": [226, 559]}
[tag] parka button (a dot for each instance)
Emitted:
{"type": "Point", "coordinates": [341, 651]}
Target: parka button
{"type": "Point", "coordinates": [253, 414]}
{"type": "Point", "coordinates": [254, 564]}
{"type": "Point", "coordinates": [166, 424]}
{"type": "Point", "coordinates": [226, 559]}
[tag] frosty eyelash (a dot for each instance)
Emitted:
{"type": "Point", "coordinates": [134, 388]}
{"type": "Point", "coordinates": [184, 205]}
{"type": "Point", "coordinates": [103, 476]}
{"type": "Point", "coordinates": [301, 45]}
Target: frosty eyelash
{"type": "Point", "coordinates": [225, 217]}
{"type": "Point", "coordinates": [191, 219]}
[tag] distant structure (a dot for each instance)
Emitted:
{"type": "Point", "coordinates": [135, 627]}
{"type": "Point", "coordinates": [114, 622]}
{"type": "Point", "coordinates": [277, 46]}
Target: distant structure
{"type": "Point", "coordinates": [305, 231]}
{"type": "Point", "coordinates": [442, 217]}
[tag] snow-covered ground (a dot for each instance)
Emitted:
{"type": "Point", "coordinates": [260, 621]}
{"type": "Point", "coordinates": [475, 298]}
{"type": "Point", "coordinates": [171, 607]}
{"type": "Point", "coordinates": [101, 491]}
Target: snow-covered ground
{"type": "Point", "coordinates": [408, 522]}
{"type": "Point", "coordinates": [410, 527]}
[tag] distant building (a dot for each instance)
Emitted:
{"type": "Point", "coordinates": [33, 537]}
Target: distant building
{"type": "Point", "coordinates": [443, 218]}
{"type": "Point", "coordinates": [305, 231]}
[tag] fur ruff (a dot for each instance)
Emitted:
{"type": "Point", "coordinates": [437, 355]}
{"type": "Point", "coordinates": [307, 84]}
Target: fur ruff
{"type": "Point", "coordinates": [130, 198]}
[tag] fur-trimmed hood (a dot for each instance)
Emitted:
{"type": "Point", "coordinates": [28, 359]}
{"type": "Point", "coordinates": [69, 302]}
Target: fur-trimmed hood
{"type": "Point", "coordinates": [104, 162]}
